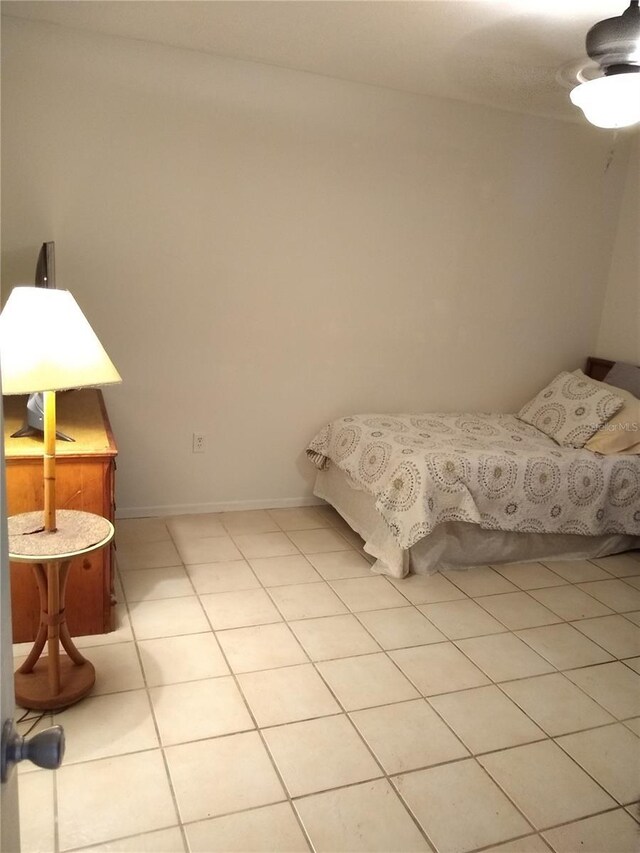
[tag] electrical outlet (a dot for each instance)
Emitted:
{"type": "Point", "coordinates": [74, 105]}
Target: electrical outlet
{"type": "Point", "coordinates": [199, 441]}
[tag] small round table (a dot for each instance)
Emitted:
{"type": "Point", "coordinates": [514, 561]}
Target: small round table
{"type": "Point", "coordinates": [56, 681]}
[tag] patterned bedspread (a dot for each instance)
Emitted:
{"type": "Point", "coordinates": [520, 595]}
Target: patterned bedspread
{"type": "Point", "coordinates": [487, 469]}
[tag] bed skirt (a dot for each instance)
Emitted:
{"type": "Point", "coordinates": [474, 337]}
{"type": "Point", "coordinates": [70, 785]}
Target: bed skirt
{"type": "Point", "coordinates": [455, 544]}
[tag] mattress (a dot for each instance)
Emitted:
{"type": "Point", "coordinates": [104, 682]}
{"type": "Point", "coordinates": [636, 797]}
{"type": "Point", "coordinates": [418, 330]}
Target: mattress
{"type": "Point", "coordinates": [491, 470]}
{"type": "Point", "coordinates": [453, 544]}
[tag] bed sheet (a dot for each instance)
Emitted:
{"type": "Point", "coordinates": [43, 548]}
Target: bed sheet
{"type": "Point", "coordinates": [491, 470]}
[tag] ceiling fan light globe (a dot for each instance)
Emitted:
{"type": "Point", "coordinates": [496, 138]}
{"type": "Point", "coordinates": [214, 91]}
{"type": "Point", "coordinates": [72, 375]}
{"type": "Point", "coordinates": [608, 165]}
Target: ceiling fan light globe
{"type": "Point", "coordinates": [610, 102]}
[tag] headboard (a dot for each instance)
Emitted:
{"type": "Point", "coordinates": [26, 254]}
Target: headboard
{"type": "Point", "coordinates": [597, 368]}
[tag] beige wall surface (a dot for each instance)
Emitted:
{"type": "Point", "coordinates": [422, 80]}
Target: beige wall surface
{"type": "Point", "coordinates": [619, 336]}
{"type": "Point", "coordinates": [261, 250]}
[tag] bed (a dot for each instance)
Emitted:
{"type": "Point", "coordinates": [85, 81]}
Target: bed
{"type": "Point", "coordinates": [443, 491]}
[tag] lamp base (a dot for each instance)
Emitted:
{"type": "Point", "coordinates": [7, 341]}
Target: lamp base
{"type": "Point", "coordinates": [34, 422]}
{"type": "Point", "coordinates": [33, 689]}
{"type": "Point", "coordinates": [29, 430]}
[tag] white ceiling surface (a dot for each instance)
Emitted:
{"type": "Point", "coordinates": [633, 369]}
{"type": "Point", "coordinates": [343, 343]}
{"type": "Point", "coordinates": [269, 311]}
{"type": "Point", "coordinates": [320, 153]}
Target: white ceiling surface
{"type": "Point", "coordinates": [504, 53]}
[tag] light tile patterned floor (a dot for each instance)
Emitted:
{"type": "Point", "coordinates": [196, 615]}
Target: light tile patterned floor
{"type": "Point", "coordinates": [265, 691]}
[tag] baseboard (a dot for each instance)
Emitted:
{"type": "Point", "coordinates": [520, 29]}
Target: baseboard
{"type": "Point", "coordinates": [228, 506]}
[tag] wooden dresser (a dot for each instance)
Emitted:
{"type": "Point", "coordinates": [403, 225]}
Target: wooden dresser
{"type": "Point", "coordinates": [84, 480]}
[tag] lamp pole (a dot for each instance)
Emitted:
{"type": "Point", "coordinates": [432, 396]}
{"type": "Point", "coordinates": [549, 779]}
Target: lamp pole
{"type": "Point", "coordinates": [50, 461]}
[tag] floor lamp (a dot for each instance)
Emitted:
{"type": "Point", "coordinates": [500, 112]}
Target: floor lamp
{"type": "Point", "coordinates": [47, 345]}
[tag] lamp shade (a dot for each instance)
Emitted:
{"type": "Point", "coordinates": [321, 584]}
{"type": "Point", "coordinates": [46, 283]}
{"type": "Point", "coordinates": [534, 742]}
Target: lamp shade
{"type": "Point", "coordinates": [47, 344]}
{"type": "Point", "coordinates": [610, 102]}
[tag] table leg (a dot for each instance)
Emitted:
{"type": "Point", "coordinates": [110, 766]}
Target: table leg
{"type": "Point", "coordinates": [65, 636]}
{"type": "Point", "coordinates": [41, 638]}
{"type": "Point", "coordinates": [57, 681]}
{"type": "Point", "coordinates": [53, 628]}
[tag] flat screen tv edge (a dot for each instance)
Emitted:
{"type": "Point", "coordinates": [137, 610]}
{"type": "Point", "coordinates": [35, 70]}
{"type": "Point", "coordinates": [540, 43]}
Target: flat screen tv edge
{"type": "Point", "coordinates": [34, 417]}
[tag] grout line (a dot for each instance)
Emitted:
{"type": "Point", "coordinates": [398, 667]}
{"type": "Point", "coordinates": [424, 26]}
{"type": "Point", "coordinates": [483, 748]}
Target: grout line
{"type": "Point", "coordinates": [354, 728]}
{"type": "Point", "coordinates": [126, 838]}
{"type": "Point", "coordinates": [56, 819]}
{"type": "Point", "coordinates": [588, 772]}
{"type": "Point", "coordinates": [492, 847]}
{"type": "Point", "coordinates": [470, 756]}
{"type": "Point", "coordinates": [161, 747]}
{"type": "Point", "coordinates": [344, 712]}
{"type": "Point", "coordinates": [258, 729]}
{"type": "Point", "coordinates": [598, 813]}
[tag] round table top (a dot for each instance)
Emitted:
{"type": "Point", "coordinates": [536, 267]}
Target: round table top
{"type": "Point", "coordinates": [77, 533]}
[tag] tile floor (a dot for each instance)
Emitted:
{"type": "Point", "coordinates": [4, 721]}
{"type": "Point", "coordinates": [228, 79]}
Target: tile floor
{"type": "Point", "coordinates": [265, 691]}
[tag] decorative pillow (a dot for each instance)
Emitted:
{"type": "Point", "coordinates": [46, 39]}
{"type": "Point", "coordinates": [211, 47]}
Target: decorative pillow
{"type": "Point", "coordinates": [626, 376]}
{"type": "Point", "coordinates": [621, 434]}
{"type": "Point", "coordinates": [570, 409]}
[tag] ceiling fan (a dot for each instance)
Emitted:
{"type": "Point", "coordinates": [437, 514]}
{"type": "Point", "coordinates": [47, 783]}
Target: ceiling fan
{"type": "Point", "coordinates": [613, 100]}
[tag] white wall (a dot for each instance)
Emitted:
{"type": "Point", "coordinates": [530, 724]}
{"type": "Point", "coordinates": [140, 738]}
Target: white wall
{"type": "Point", "coordinates": [619, 336]}
{"type": "Point", "coordinates": [261, 250]}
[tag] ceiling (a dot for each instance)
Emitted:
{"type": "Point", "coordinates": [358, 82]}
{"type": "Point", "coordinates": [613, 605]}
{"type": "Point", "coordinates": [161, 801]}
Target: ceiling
{"type": "Point", "coordinates": [514, 54]}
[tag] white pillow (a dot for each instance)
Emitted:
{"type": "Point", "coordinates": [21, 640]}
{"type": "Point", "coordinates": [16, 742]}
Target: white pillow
{"type": "Point", "coordinates": [571, 409]}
